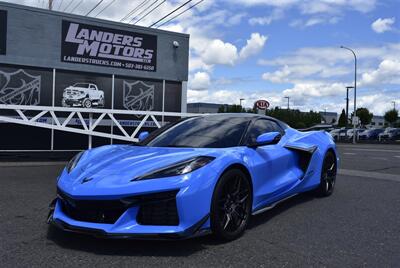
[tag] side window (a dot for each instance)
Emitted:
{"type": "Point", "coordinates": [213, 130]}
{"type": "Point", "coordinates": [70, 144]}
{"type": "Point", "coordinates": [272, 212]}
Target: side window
{"type": "Point", "coordinates": [92, 87]}
{"type": "Point", "coordinates": [262, 126]}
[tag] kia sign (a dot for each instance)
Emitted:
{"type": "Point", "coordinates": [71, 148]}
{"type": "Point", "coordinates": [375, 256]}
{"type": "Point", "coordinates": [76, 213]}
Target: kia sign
{"type": "Point", "coordinates": [3, 32]}
{"type": "Point", "coordinates": [88, 44]}
{"type": "Point", "coordinates": [262, 104]}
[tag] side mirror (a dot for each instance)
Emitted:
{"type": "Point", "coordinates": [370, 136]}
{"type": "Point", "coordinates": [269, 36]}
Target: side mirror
{"type": "Point", "coordinates": [143, 135]}
{"type": "Point", "coordinates": [267, 139]}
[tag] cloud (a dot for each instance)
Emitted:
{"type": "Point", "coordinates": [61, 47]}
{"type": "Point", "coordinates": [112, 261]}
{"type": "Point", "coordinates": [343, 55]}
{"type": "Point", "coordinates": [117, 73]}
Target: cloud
{"type": "Point", "coordinates": [387, 72]}
{"type": "Point", "coordinates": [254, 45]}
{"type": "Point", "coordinates": [219, 52]}
{"type": "Point", "coordinates": [314, 6]}
{"type": "Point", "coordinates": [224, 96]}
{"type": "Point", "coordinates": [383, 25]}
{"type": "Point", "coordinates": [325, 63]}
{"type": "Point", "coordinates": [300, 23]}
{"type": "Point", "coordinates": [200, 81]}
{"type": "Point", "coordinates": [267, 20]}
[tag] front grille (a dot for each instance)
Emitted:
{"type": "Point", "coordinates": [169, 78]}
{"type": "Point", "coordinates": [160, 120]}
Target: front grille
{"type": "Point", "coordinates": [160, 210]}
{"type": "Point", "coordinates": [154, 209]}
{"type": "Point", "coordinates": [97, 211]}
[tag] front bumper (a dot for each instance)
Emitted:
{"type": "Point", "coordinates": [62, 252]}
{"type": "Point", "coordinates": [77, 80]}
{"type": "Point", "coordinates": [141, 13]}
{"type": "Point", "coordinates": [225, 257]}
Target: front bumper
{"type": "Point", "coordinates": [190, 232]}
{"type": "Point", "coordinates": [72, 102]}
{"type": "Point", "coordinates": [193, 202]}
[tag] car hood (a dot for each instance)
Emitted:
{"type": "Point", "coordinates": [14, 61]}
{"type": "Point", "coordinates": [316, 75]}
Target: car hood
{"type": "Point", "coordinates": [116, 166]}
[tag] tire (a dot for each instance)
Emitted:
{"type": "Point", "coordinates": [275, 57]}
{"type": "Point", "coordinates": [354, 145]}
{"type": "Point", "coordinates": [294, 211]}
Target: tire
{"type": "Point", "coordinates": [87, 103]}
{"type": "Point", "coordinates": [328, 175]}
{"type": "Point", "coordinates": [231, 205]}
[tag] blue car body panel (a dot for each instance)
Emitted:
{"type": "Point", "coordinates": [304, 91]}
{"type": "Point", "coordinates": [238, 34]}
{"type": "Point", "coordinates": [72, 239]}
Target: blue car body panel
{"type": "Point", "coordinates": [106, 173]}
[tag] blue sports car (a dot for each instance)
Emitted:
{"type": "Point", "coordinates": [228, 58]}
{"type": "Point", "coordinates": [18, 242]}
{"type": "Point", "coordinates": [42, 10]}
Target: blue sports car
{"type": "Point", "coordinates": [199, 175]}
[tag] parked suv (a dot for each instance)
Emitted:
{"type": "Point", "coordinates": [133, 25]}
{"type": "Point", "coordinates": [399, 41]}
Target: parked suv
{"type": "Point", "coordinates": [83, 95]}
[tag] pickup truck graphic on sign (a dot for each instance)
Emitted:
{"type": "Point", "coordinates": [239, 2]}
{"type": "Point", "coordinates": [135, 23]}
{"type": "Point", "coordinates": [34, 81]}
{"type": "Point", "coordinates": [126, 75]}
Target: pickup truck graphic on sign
{"type": "Point", "coordinates": [83, 95]}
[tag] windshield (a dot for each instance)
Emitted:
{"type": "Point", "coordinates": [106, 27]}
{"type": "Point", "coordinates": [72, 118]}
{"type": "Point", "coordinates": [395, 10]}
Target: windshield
{"type": "Point", "coordinates": [202, 132]}
{"type": "Point", "coordinates": [85, 85]}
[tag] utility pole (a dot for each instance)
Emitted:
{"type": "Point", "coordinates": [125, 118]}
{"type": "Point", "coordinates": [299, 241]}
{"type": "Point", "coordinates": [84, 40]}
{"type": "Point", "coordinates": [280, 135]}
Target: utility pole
{"type": "Point", "coordinates": [394, 105]}
{"type": "Point", "coordinates": [347, 104]}
{"type": "Point", "coordinates": [355, 91]}
{"type": "Point", "coordinates": [50, 4]}
{"type": "Point", "coordinates": [288, 99]}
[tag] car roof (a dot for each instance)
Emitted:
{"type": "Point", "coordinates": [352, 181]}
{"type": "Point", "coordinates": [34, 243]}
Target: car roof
{"type": "Point", "coordinates": [242, 117]}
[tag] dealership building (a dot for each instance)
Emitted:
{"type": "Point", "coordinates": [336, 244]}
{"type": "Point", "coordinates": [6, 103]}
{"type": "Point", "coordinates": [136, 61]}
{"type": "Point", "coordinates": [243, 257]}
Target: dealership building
{"type": "Point", "coordinates": [57, 59]}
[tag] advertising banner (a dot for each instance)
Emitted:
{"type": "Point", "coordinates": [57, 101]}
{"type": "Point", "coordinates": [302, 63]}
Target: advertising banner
{"type": "Point", "coordinates": [3, 32]}
{"type": "Point", "coordinates": [21, 85]}
{"type": "Point", "coordinates": [83, 90]}
{"type": "Point", "coordinates": [94, 45]}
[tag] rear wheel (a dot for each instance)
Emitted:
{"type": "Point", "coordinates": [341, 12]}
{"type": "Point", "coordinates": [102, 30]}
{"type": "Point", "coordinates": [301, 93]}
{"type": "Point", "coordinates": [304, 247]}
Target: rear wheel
{"type": "Point", "coordinates": [231, 205]}
{"type": "Point", "coordinates": [328, 175]}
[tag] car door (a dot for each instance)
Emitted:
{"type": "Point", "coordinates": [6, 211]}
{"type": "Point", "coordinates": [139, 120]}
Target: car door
{"type": "Point", "coordinates": [93, 94]}
{"type": "Point", "coordinates": [275, 166]}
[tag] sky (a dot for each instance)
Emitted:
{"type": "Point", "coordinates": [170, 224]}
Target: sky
{"type": "Point", "coordinates": [269, 49]}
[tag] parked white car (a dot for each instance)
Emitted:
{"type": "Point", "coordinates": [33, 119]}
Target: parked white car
{"type": "Point", "coordinates": [83, 95]}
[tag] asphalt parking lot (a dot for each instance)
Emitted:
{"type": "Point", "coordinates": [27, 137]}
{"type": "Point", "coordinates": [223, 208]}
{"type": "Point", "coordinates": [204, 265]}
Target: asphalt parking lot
{"type": "Point", "coordinates": [357, 226]}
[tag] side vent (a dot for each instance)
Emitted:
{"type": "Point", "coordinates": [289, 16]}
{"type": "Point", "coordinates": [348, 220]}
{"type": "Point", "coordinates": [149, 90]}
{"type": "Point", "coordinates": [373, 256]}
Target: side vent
{"type": "Point", "coordinates": [305, 155]}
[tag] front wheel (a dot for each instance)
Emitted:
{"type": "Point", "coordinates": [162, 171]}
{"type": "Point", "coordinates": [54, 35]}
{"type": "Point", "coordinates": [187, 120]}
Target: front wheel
{"type": "Point", "coordinates": [231, 205]}
{"type": "Point", "coordinates": [328, 175]}
{"type": "Point", "coordinates": [87, 103]}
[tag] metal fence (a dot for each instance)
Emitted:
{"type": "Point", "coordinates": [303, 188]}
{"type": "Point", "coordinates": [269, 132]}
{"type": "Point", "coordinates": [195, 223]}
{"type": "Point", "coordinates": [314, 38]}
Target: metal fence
{"type": "Point", "coordinates": [85, 121]}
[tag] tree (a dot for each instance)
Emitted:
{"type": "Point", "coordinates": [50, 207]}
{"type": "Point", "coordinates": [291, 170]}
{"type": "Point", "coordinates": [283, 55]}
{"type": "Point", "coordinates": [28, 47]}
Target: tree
{"type": "Point", "coordinates": [295, 118]}
{"type": "Point", "coordinates": [364, 115]}
{"type": "Point", "coordinates": [392, 116]}
{"type": "Point", "coordinates": [221, 109]}
{"type": "Point", "coordinates": [342, 119]}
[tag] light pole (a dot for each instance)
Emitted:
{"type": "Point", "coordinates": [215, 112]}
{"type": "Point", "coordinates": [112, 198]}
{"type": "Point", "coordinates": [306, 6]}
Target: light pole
{"type": "Point", "coordinates": [394, 105]}
{"type": "Point", "coordinates": [347, 104]}
{"type": "Point", "coordinates": [355, 90]}
{"type": "Point", "coordinates": [240, 101]}
{"type": "Point", "coordinates": [288, 99]}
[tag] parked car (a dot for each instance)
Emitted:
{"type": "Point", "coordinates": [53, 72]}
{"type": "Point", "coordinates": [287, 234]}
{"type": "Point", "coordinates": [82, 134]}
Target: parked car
{"type": "Point", "coordinates": [349, 134]}
{"type": "Point", "coordinates": [390, 134]}
{"type": "Point", "coordinates": [83, 95]}
{"type": "Point", "coordinates": [370, 134]}
{"type": "Point", "coordinates": [339, 134]}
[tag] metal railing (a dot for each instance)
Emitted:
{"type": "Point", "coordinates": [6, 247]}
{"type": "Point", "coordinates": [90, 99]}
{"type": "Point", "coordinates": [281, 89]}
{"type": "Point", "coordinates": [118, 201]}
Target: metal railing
{"type": "Point", "coordinates": [85, 120]}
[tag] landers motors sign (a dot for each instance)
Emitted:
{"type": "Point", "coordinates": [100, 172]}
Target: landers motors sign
{"type": "Point", "coordinates": [262, 104]}
{"type": "Point", "coordinates": [87, 44]}
{"type": "Point", "coordinates": [3, 32]}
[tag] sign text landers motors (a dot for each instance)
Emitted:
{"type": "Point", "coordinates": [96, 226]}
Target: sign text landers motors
{"type": "Point", "coordinates": [88, 44]}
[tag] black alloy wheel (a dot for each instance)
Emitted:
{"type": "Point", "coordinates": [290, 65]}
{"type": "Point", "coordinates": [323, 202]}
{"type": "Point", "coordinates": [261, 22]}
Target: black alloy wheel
{"type": "Point", "coordinates": [231, 205]}
{"type": "Point", "coordinates": [328, 175]}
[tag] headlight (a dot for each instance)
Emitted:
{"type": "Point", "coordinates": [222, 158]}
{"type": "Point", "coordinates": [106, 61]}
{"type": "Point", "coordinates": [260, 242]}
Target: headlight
{"type": "Point", "coordinates": [177, 169]}
{"type": "Point", "coordinates": [73, 162]}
